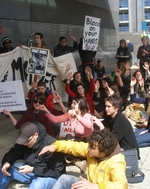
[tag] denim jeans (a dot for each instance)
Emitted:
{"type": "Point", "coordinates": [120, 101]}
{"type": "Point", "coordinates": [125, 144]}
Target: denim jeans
{"type": "Point", "coordinates": [65, 181]}
{"type": "Point", "coordinates": [29, 178]}
{"type": "Point", "coordinates": [144, 139]}
{"type": "Point", "coordinates": [133, 58]}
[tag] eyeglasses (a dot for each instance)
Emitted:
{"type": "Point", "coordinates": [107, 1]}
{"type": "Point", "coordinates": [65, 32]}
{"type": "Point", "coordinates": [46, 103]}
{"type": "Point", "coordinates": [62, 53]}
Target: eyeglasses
{"type": "Point", "coordinates": [38, 101]}
{"type": "Point", "coordinates": [63, 41]}
{"type": "Point", "coordinates": [7, 42]}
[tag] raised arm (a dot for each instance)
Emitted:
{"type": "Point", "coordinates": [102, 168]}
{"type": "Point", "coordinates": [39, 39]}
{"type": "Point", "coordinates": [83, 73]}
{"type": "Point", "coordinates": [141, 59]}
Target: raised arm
{"type": "Point", "coordinates": [12, 118]}
{"type": "Point", "coordinates": [59, 101]}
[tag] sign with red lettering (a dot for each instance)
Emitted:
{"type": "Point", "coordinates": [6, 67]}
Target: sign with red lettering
{"type": "Point", "coordinates": [91, 33]}
{"type": "Point", "coordinates": [66, 130]}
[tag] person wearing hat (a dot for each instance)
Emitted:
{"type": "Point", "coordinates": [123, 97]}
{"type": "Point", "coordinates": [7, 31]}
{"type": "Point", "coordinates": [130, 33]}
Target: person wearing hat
{"type": "Point", "coordinates": [40, 172]}
{"type": "Point", "coordinates": [62, 48]}
{"type": "Point", "coordinates": [6, 45]}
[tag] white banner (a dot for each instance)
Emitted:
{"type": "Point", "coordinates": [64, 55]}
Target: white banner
{"type": "Point", "coordinates": [13, 66]}
{"type": "Point", "coordinates": [91, 33]}
{"type": "Point", "coordinates": [12, 96]}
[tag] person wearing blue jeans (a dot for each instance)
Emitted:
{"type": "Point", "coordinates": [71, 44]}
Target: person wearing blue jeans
{"type": "Point", "coordinates": [39, 172]}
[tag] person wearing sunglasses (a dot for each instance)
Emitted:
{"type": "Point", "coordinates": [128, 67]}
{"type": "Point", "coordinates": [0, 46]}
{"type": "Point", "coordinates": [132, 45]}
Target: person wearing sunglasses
{"type": "Point", "coordinates": [6, 45]}
{"type": "Point", "coordinates": [34, 113]}
{"type": "Point", "coordinates": [62, 48]}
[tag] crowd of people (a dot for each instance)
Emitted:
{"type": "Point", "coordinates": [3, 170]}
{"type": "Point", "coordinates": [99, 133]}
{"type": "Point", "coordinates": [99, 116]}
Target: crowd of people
{"type": "Point", "coordinates": [95, 112]}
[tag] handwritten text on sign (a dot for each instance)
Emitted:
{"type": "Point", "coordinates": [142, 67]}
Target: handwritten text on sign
{"type": "Point", "coordinates": [91, 33]}
{"type": "Point", "coordinates": [66, 130]}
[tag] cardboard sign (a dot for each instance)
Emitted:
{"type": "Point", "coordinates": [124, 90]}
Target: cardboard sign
{"type": "Point", "coordinates": [91, 33]}
{"type": "Point", "coordinates": [65, 130]}
{"type": "Point", "coordinates": [12, 96]}
{"type": "Point", "coordinates": [38, 59]}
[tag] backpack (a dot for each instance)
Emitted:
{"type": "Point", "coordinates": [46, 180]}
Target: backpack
{"type": "Point", "coordinates": [133, 173]}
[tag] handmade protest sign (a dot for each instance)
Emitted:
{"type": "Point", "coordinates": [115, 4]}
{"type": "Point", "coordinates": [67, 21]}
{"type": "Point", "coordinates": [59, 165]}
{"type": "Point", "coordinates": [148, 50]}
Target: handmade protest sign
{"type": "Point", "coordinates": [66, 130]}
{"type": "Point", "coordinates": [38, 59]}
{"type": "Point", "coordinates": [12, 96]}
{"type": "Point", "coordinates": [91, 33]}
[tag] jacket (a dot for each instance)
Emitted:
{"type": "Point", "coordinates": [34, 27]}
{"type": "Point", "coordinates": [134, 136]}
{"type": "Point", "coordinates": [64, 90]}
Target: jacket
{"type": "Point", "coordinates": [122, 129]}
{"type": "Point", "coordinates": [60, 50]}
{"type": "Point", "coordinates": [30, 116]}
{"type": "Point", "coordinates": [108, 173]}
{"type": "Point", "coordinates": [82, 127]}
{"type": "Point", "coordinates": [88, 94]}
{"type": "Point", "coordinates": [140, 56]}
{"type": "Point", "coordinates": [49, 98]}
{"type": "Point", "coordinates": [49, 165]}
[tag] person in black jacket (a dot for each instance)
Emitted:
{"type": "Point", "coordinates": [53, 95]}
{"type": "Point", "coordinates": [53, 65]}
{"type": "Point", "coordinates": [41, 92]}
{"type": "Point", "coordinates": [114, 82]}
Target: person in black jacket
{"type": "Point", "coordinates": [62, 48]}
{"type": "Point", "coordinates": [41, 172]}
{"type": "Point", "coordinates": [118, 124]}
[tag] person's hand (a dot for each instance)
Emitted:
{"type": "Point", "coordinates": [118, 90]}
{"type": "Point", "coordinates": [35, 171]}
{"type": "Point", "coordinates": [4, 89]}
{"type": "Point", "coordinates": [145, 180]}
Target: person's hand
{"type": "Point", "coordinates": [33, 85]}
{"type": "Point", "coordinates": [25, 169]}
{"type": "Point", "coordinates": [68, 67]}
{"type": "Point", "coordinates": [104, 75]}
{"type": "Point", "coordinates": [50, 148]}
{"type": "Point", "coordinates": [6, 112]}
{"type": "Point", "coordinates": [72, 113]}
{"type": "Point", "coordinates": [146, 66]}
{"type": "Point", "coordinates": [132, 82]}
{"type": "Point", "coordinates": [98, 122]}
{"type": "Point", "coordinates": [97, 86]}
{"type": "Point", "coordinates": [84, 184]}
{"type": "Point", "coordinates": [44, 109]}
{"type": "Point", "coordinates": [88, 70]}
{"type": "Point", "coordinates": [69, 76]}
{"type": "Point", "coordinates": [72, 37]}
{"type": "Point", "coordinates": [144, 51]}
{"type": "Point", "coordinates": [5, 168]}
{"type": "Point", "coordinates": [117, 72]}
{"type": "Point", "coordinates": [127, 65]}
{"type": "Point", "coordinates": [141, 82]}
{"type": "Point", "coordinates": [57, 97]}
{"type": "Point", "coordinates": [109, 91]}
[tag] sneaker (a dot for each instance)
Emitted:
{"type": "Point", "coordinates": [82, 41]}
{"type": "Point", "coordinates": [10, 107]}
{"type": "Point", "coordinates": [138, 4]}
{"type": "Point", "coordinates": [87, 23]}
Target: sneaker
{"type": "Point", "coordinates": [81, 164]}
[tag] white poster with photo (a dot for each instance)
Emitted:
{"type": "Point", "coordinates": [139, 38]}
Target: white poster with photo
{"type": "Point", "coordinates": [65, 130]}
{"type": "Point", "coordinates": [38, 59]}
{"type": "Point", "coordinates": [91, 33]}
{"type": "Point", "coordinates": [12, 96]}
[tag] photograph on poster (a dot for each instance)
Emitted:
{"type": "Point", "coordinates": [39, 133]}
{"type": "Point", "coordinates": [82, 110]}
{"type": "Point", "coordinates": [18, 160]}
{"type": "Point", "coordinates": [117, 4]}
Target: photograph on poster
{"type": "Point", "coordinates": [37, 61]}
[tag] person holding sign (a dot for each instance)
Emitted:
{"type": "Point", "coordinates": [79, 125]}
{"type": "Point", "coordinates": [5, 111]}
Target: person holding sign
{"type": "Point", "coordinates": [79, 117]}
{"type": "Point", "coordinates": [35, 113]}
{"type": "Point", "coordinates": [87, 57]}
{"type": "Point", "coordinates": [38, 37]}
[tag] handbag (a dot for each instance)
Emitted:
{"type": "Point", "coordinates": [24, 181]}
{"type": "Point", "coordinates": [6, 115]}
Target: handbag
{"type": "Point", "coordinates": [133, 173]}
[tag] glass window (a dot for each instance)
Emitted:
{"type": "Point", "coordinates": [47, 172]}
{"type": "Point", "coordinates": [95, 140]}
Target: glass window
{"type": "Point", "coordinates": [123, 28]}
{"type": "Point", "coordinates": [147, 3]}
{"type": "Point", "coordinates": [147, 15]}
{"type": "Point", "coordinates": [123, 3]}
{"type": "Point", "coordinates": [123, 16]}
